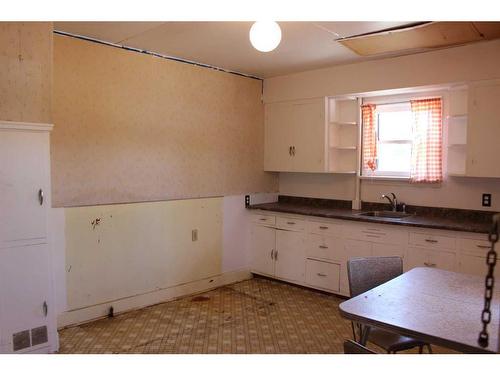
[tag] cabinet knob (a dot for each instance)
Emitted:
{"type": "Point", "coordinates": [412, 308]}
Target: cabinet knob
{"type": "Point", "coordinates": [40, 196]}
{"type": "Point", "coordinates": [45, 308]}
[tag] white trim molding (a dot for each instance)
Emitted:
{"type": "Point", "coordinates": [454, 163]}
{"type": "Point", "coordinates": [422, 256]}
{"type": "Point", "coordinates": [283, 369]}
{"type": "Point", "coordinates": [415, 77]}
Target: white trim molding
{"type": "Point", "coordinates": [31, 126]}
{"type": "Point", "coordinates": [86, 314]}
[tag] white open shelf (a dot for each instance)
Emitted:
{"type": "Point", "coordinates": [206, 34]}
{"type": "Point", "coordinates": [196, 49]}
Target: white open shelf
{"type": "Point", "coordinates": [343, 134]}
{"type": "Point", "coordinates": [457, 133]}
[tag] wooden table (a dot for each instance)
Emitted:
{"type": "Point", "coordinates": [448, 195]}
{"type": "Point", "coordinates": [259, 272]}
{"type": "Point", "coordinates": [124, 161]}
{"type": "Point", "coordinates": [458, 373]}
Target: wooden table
{"type": "Point", "coordinates": [435, 306]}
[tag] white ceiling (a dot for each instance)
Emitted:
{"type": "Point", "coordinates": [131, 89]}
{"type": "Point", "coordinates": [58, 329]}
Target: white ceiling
{"type": "Point", "coordinates": [304, 45]}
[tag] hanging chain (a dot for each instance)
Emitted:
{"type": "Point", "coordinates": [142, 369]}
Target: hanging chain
{"type": "Point", "coordinates": [491, 260]}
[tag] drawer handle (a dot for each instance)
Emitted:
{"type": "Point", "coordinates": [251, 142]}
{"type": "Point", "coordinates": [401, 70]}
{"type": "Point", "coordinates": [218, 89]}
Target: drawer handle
{"type": "Point", "coordinates": [370, 232]}
{"type": "Point", "coordinates": [272, 254]}
{"type": "Point", "coordinates": [45, 308]}
{"type": "Point", "coordinates": [427, 264]}
{"type": "Point", "coordinates": [275, 255]}
{"type": "Point", "coordinates": [372, 236]}
{"type": "Point", "coordinates": [263, 219]}
{"type": "Point", "coordinates": [323, 247]}
{"type": "Point", "coordinates": [431, 241]}
{"type": "Point", "coordinates": [483, 246]}
{"type": "Point", "coordinates": [290, 223]}
{"type": "Point", "coordinates": [321, 274]}
{"type": "Point", "coordinates": [322, 227]}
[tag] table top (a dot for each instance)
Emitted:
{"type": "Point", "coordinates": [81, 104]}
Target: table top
{"type": "Point", "coordinates": [436, 306]}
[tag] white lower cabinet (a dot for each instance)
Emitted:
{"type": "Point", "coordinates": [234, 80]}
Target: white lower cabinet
{"type": "Point", "coordinates": [26, 303]}
{"type": "Point", "coordinates": [323, 275]}
{"type": "Point", "coordinates": [475, 265]}
{"type": "Point", "coordinates": [289, 255]}
{"type": "Point", "coordinates": [263, 244]}
{"type": "Point", "coordinates": [432, 258]}
{"type": "Point", "coordinates": [314, 252]}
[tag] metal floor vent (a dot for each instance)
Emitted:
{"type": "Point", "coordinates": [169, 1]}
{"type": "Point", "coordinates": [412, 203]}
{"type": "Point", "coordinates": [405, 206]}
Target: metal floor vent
{"type": "Point", "coordinates": [25, 339]}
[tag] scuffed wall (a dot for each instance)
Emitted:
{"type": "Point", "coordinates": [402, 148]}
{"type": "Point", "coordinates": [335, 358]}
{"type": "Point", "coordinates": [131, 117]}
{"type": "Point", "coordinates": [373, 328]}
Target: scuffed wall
{"type": "Point", "coordinates": [131, 127]}
{"type": "Point", "coordinates": [117, 251]}
{"type": "Point", "coordinates": [26, 71]}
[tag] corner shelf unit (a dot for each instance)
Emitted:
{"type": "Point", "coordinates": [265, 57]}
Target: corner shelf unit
{"type": "Point", "coordinates": [457, 132]}
{"type": "Point", "coordinates": [343, 134]}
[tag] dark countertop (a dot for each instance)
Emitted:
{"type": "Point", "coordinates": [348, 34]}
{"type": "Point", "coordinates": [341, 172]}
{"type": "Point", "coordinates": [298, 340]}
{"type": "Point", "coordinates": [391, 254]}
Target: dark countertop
{"type": "Point", "coordinates": [424, 217]}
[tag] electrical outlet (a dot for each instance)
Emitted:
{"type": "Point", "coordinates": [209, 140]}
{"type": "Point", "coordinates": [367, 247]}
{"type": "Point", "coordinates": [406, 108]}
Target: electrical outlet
{"type": "Point", "coordinates": [247, 200]}
{"type": "Point", "coordinates": [194, 235]}
{"type": "Point", "coordinates": [486, 200]}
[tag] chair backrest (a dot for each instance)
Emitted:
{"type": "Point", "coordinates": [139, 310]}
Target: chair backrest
{"type": "Point", "coordinates": [352, 347]}
{"type": "Point", "coordinates": [367, 273]}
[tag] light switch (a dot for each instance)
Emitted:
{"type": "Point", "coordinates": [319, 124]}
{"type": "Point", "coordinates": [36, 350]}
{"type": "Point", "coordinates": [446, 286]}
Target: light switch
{"type": "Point", "coordinates": [194, 235]}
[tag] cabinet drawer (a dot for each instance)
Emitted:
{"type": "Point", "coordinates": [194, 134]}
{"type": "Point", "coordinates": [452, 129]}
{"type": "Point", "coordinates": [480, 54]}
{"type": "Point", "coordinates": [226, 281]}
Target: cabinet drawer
{"type": "Point", "coordinates": [418, 257]}
{"type": "Point", "coordinates": [474, 246]}
{"type": "Point", "coordinates": [327, 229]}
{"type": "Point", "coordinates": [376, 233]}
{"type": "Point", "coordinates": [291, 223]}
{"type": "Point", "coordinates": [323, 275]}
{"type": "Point", "coordinates": [264, 219]}
{"type": "Point", "coordinates": [324, 247]}
{"type": "Point", "coordinates": [432, 240]}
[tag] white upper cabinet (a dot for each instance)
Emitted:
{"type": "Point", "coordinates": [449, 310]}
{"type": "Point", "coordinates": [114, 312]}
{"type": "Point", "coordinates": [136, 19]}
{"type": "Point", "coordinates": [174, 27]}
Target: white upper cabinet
{"type": "Point", "coordinates": [483, 130]}
{"type": "Point", "coordinates": [24, 187]}
{"type": "Point", "coordinates": [295, 136]}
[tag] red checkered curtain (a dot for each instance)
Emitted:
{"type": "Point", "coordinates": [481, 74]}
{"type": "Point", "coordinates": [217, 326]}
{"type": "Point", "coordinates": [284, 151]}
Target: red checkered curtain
{"type": "Point", "coordinates": [427, 153]}
{"type": "Point", "coordinates": [369, 137]}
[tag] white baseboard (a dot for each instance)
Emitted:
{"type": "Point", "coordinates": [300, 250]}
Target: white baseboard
{"type": "Point", "coordinates": [86, 314]}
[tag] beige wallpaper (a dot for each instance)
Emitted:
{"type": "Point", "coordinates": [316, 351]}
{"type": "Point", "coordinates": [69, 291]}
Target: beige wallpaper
{"type": "Point", "coordinates": [25, 71]}
{"type": "Point", "coordinates": [131, 127]}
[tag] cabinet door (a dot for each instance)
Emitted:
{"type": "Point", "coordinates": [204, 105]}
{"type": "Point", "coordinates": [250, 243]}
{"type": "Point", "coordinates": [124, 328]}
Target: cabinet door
{"type": "Point", "coordinates": [355, 249]}
{"type": "Point", "coordinates": [420, 257]}
{"type": "Point", "coordinates": [290, 256]}
{"type": "Point", "coordinates": [309, 135]}
{"type": "Point", "coordinates": [262, 249]}
{"type": "Point", "coordinates": [475, 265]}
{"type": "Point", "coordinates": [25, 303]}
{"type": "Point", "coordinates": [483, 130]}
{"type": "Point", "coordinates": [23, 172]}
{"type": "Point", "coordinates": [278, 137]}
{"type": "Point", "coordinates": [387, 250]}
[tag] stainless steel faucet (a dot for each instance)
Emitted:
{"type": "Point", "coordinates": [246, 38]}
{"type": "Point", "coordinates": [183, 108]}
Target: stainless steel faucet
{"type": "Point", "coordinates": [393, 201]}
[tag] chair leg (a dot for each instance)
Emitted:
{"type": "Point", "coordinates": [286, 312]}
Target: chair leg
{"type": "Point", "coordinates": [353, 331]}
{"type": "Point", "coordinates": [420, 349]}
{"type": "Point", "coordinates": [429, 348]}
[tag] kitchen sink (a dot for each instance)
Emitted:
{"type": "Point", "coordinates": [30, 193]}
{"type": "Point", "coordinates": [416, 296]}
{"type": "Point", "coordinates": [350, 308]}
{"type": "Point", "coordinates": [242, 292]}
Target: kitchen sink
{"type": "Point", "coordinates": [386, 214]}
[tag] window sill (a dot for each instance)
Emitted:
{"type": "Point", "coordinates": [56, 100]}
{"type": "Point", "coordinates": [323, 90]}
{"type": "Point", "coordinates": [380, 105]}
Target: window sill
{"type": "Point", "coordinates": [388, 178]}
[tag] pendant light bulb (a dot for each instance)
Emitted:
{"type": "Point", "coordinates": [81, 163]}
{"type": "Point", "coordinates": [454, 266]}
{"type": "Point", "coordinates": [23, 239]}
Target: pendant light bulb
{"type": "Point", "coordinates": [265, 35]}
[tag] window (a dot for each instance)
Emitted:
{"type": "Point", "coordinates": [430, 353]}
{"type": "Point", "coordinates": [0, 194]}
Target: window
{"type": "Point", "coordinates": [394, 139]}
{"type": "Point", "coordinates": [403, 139]}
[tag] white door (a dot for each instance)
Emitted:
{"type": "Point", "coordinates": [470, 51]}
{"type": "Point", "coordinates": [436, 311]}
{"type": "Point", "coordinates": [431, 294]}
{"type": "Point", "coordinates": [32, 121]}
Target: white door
{"type": "Point", "coordinates": [483, 130]}
{"type": "Point", "coordinates": [290, 255]}
{"type": "Point", "coordinates": [25, 294]}
{"type": "Point", "coordinates": [23, 179]}
{"type": "Point", "coordinates": [278, 137]}
{"type": "Point", "coordinates": [262, 250]}
{"type": "Point", "coordinates": [309, 135]}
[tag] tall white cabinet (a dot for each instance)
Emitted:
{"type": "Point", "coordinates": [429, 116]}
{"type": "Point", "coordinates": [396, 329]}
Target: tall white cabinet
{"type": "Point", "coordinates": [27, 316]}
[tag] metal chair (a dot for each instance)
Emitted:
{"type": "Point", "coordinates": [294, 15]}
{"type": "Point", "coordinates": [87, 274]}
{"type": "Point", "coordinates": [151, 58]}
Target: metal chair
{"type": "Point", "coordinates": [352, 347]}
{"type": "Point", "coordinates": [365, 274]}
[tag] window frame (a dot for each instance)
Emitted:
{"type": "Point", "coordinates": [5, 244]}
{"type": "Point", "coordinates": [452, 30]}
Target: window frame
{"type": "Point", "coordinates": [400, 106]}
